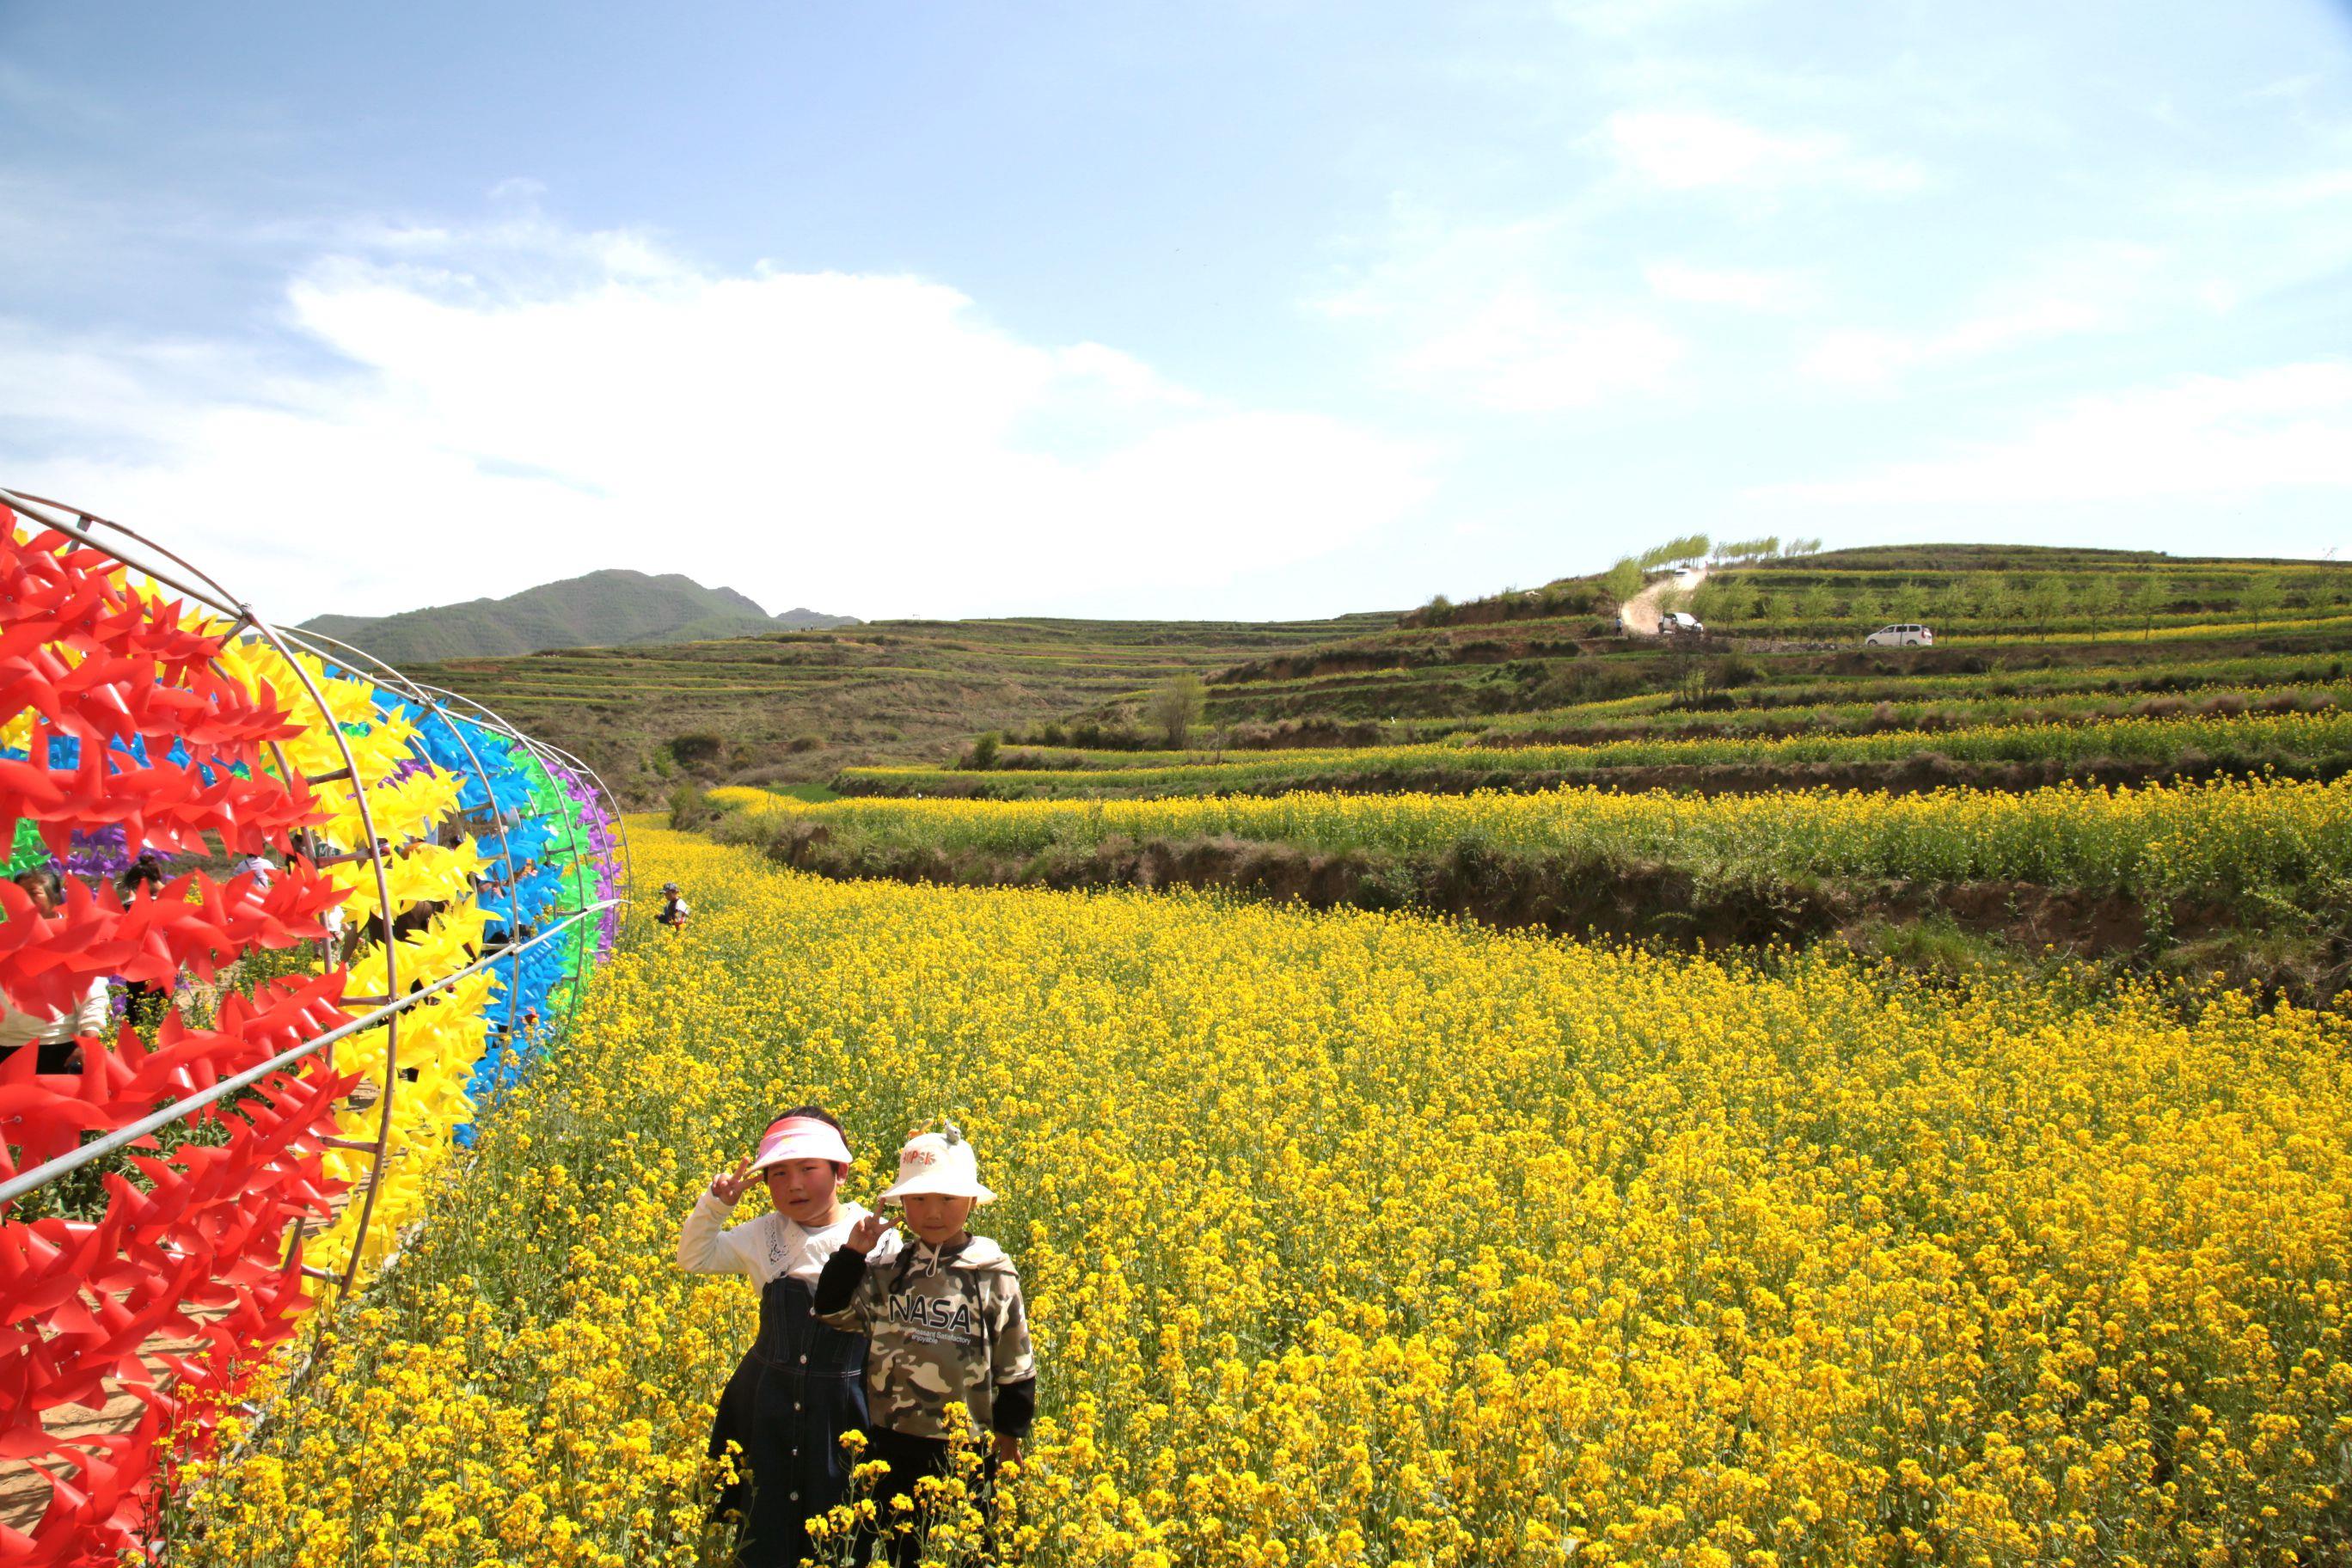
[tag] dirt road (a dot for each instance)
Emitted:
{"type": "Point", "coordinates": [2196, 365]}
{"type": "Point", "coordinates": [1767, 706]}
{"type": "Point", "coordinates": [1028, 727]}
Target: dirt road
{"type": "Point", "coordinates": [1641, 611]}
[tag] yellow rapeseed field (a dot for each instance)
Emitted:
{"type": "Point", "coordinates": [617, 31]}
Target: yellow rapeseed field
{"type": "Point", "coordinates": [1364, 1238]}
{"type": "Point", "coordinates": [2213, 839]}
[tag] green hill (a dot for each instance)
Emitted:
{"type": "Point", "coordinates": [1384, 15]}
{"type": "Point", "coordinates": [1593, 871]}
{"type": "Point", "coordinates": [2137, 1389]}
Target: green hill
{"type": "Point", "coordinates": [613, 609]}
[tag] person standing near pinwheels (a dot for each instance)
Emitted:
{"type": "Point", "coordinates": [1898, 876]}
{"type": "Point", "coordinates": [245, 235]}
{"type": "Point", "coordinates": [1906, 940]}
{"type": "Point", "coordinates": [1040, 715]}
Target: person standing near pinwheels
{"type": "Point", "coordinates": [802, 1383]}
{"type": "Point", "coordinates": [56, 1036]}
{"type": "Point", "coordinates": [673, 910]}
{"type": "Point", "coordinates": [951, 1364]}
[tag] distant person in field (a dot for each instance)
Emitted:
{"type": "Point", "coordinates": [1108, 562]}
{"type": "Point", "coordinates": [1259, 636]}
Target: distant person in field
{"type": "Point", "coordinates": [951, 1364]}
{"type": "Point", "coordinates": [802, 1385]}
{"type": "Point", "coordinates": [673, 910]}
{"type": "Point", "coordinates": [54, 1033]}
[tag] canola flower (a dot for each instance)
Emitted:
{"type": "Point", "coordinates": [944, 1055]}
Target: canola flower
{"type": "Point", "coordinates": [2071, 692]}
{"type": "Point", "coordinates": [2222, 840]}
{"type": "Point", "coordinates": [1358, 1237]}
{"type": "Point", "coordinates": [2126, 630]}
{"type": "Point", "coordinates": [1918, 711]}
{"type": "Point", "coordinates": [2302, 737]}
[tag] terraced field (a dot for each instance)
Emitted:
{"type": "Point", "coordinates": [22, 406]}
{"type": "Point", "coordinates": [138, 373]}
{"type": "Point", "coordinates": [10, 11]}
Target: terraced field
{"type": "Point", "coordinates": [2314, 744]}
{"type": "Point", "coordinates": [797, 706]}
{"type": "Point", "coordinates": [1997, 610]}
{"type": "Point", "coordinates": [2026, 638]}
{"type": "Point", "coordinates": [1528, 767]}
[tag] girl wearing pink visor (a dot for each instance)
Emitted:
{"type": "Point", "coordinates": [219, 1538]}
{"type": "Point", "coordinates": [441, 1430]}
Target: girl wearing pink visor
{"type": "Point", "coordinates": [802, 1385]}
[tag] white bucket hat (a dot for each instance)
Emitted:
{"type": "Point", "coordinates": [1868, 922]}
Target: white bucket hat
{"type": "Point", "coordinates": [940, 1163]}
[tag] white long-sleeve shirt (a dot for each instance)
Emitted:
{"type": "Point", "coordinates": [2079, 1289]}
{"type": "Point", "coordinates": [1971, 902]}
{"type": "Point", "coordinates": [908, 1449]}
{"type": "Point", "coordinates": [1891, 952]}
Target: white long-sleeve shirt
{"type": "Point", "coordinates": [19, 1028]}
{"type": "Point", "coordinates": [768, 1248]}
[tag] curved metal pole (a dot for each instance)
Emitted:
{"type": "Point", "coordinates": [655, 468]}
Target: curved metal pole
{"type": "Point", "coordinates": [587, 894]}
{"type": "Point", "coordinates": [580, 774]}
{"type": "Point", "coordinates": [506, 841]}
{"type": "Point", "coordinates": [580, 955]}
{"type": "Point", "coordinates": [428, 693]}
{"type": "Point", "coordinates": [123, 1137]}
{"type": "Point", "coordinates": [612, 801]}
{"type": "Point", "coordinates": [580, 959]}
{"type": "Point", "coordinates": [212, 592]}
{"type": "Point", "coordinates": [243, 614]}
{"type": "Point", "coordinates": [620, 823]}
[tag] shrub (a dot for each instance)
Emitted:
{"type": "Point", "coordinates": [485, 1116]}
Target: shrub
{"type": "Point", "coordinates": [1176, 707]}
{"type": "Point", "coordinates": [1624, 580]}
{"type": "Point", "coordinates": [697, 746]}
{"type": "Point", "coordinates": [690, 808]}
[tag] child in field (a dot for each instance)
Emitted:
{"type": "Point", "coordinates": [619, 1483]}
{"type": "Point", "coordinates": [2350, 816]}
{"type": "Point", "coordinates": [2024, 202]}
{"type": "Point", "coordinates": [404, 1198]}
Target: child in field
{"type": "Point", "coordinates": [950, 1357]}
{"type": "Point", "coordinates": [802, 1383]}
{"type": "Point", "coordinates": [673, 910]}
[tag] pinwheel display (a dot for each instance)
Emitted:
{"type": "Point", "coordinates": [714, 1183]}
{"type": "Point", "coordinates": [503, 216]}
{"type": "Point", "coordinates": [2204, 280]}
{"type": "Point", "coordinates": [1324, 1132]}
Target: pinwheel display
{"type": "Point", "coordinates": [388, 901]}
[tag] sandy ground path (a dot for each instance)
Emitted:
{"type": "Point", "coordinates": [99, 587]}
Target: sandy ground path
{"type": "Point", "coordinates": [1643, 610]}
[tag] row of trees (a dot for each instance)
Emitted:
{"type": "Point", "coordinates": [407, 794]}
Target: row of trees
{"type": "Point", "coordinates": [1630, 573]}
{"type": "Point", "coordinates": [2093, 601]}
{"type": "Point", "coordinates": [1626, 578]}
{"type": "Point", "coordinates": [1769, 548]}
{"type": "Point", "coordinates": [1689, 547]}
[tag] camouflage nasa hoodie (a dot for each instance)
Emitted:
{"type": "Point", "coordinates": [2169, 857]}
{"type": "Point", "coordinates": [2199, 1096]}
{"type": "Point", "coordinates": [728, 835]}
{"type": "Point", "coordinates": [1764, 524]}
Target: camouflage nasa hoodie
{"type": "Point", "coordinates": [947, 1325]}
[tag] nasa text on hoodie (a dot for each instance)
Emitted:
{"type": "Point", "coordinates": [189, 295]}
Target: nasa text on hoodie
{"type": "Point", "coordinates": [948, 1327]}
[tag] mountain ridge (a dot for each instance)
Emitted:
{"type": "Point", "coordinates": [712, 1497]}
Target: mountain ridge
{"type": "Point", "coordinates": [615, 607]}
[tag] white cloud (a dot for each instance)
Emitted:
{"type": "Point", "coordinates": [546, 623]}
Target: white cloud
{"type": "Point", "coordinates": [2311, 189]}
{"type": "Point", "coordinates": [2206, 435]}
{"type": "Point", "coordinates": [1688, 152]}
{"type": "Point", "coordinates": [2087, 288]}
{"type": "Point", "coordinates": [1520, 353]}
{"type": "Point", "coordinates": [481, 412]}
{"type": "Point", "coordinates": [1865, 358]}
{"type": "Point", "coordinates": [1752, 290]}
{"type": "Point", "coordinates": [1497, 315]}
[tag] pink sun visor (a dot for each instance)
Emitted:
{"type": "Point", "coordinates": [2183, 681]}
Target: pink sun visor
{"type": "Point", "coordinates": [800, 1138]}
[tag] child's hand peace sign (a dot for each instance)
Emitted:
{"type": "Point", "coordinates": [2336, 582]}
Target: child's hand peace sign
{"type": "Point", "coordinates": [867, 1233]}
{"type": "Point", "coordinates": [729, 1188]}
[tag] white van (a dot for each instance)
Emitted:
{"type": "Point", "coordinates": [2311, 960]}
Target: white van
{"type": "Point", "coordinates": [1903, 636]}
{"type": "Point", "coordinates": [1675, 623]}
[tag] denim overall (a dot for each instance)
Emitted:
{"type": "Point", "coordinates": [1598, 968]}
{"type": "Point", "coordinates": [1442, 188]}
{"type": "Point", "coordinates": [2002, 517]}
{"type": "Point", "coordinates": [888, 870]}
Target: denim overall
{"type": "Point", "coordinates": [798, 1388]}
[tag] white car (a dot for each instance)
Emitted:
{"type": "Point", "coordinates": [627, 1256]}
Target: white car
{"type": "Point", "coordinates": [1904, 636]}
{"type": "Point", "coordinates": [1675, 623]}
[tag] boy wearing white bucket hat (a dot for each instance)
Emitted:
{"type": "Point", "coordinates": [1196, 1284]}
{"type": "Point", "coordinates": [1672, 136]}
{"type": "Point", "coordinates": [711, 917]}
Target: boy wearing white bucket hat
{"type": "Point", "coordinates": [950, 1359]}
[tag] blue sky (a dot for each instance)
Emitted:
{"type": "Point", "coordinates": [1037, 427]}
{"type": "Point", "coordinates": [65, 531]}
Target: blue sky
{"type": "Point", "coordinates": [1226, 309]}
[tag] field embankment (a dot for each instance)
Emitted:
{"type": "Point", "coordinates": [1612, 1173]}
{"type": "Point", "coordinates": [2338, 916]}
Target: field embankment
{"type": "Point", "coordinates": [2246, 877]}
{"type": "Point", "coordinates": [2299, 744]}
